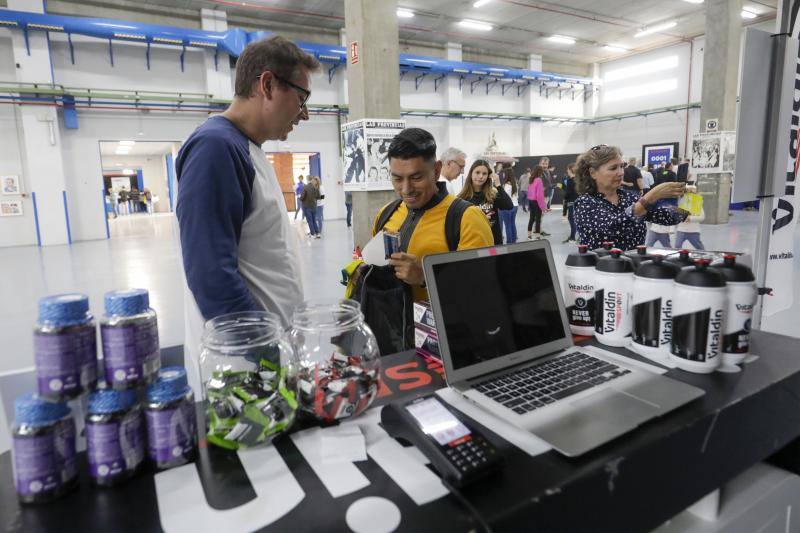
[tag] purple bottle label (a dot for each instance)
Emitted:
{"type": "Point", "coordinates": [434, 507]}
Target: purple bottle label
{"type": "Point", "coordinates": [115, 447]}
{"type": "Point", "coordinates": [88, 357]}
{"type": "Point", "coordinates": [130, 352]}
{"type": "Point", "coordinates": [171, 433]}
{"type": "Point", "coordinates": [66, 361]}
{"type": "Point", "coordinates": [64, 439]}
{"type": "Point", "coordinates": [36, 467]}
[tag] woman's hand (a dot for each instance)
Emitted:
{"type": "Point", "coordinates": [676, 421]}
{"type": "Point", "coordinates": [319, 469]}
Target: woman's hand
{"type": "Point", "coordinates": [670, 189]}
{"type": "Point", "coordinates": [495, 179]}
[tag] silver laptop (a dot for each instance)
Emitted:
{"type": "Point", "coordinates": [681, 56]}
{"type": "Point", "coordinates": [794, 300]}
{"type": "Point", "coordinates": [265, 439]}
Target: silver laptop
{"type": "Point", "coordinates": [506, 345]}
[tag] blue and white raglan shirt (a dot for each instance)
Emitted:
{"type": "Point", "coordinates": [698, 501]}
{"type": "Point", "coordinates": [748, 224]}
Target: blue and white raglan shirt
{"type": "Point", "coordinates": [239, 252]}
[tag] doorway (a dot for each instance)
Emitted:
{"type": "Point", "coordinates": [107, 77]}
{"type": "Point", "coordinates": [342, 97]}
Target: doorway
{"type": "Point", "coordinates": [138, 186]}
{"type": "Point", "coordinates": [288, 167]}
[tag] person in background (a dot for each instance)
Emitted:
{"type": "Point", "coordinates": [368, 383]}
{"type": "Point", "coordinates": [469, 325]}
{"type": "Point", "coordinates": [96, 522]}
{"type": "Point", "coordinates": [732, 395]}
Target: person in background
{"type": "Point", "coordinates": [297, 191]}
{"type": "Point", "coordinates": [547, 180]}
{"type": "Point", "coordinates": [689, 229]}
{"type": "Point", "coordinates": [113, 195]}
{"type": "Point", "coordinates": [523, 183]}
{"type": "Point", "coordinates": [500, 172]}
{"type": "Point", "coordinates": [665, 175]}
{"type": "Point", "coordinates": [570, 195]}
{"type": "Point", "coordinates": [632, 177]}
{"type": "Point", "coordinates": [134, 200]}
{"type": "Point", "coordinates": [348, 205]}
{"type": "Point", "coordinates": [658, 233]}
{"type": "Point", "coordinates": [147, 200]}
{"type": "Point", "coordinates": [509, 216]}
{"type": "Point", "coordinates": [482, 188]}
{"type": "Point", "coordinates": [453, 163]}
{"type": "Point", "coordinates": [309, 198]}
{"type": "Point", "coordinates": [124, 206]}
{"type": "Point", "coordinates": [536, 204]}
{"type": "Point", "coordinates": [647, 178]}
{"type": "Point", "coordinates": [320, 203]}
{"type": "Point", "coordinates": [606, 211]}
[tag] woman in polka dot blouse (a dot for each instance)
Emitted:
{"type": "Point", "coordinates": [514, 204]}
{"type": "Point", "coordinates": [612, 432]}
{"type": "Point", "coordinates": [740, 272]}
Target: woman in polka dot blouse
{"type": "Point", "coordinates": [606, 211]}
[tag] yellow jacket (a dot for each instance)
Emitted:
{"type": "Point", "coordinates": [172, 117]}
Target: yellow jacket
{"type": "Point", "coordinates": [429, 236]}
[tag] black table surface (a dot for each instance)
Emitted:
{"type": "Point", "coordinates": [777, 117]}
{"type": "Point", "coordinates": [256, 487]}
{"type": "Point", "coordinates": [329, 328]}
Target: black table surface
{"type": "Point", "coordinates": [633, 483]}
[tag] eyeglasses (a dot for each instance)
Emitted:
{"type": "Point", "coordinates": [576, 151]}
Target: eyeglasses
{"type": "Point", "coordinates": [598, 147]}
{"type": "Point", "coordinates": [305, 94]}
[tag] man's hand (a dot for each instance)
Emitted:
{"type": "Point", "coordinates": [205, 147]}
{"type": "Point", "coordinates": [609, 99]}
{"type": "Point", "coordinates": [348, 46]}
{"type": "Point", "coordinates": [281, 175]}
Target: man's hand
{"type": "Point", "coordinates": [407, 268]}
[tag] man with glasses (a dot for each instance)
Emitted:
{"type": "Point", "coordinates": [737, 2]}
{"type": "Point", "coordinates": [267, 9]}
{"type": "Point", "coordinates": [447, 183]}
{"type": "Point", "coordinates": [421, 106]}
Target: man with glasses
{"type": "Point", "coordinates": [239, 251]}
{"type": "Point", "coordinates": [453, 163]}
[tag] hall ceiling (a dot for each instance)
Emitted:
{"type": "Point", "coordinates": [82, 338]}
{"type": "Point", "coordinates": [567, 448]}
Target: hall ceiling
{"type": "Point", "coordinates": [520, 26]}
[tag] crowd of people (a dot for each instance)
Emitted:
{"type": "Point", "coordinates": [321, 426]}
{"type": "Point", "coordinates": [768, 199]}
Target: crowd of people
{"type": "Point", "coordinates": [127, 202]}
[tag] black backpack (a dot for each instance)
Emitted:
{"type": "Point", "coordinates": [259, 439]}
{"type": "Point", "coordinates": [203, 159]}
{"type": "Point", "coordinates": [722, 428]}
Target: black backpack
{"type": "Point", "coordinates": [381, 294]}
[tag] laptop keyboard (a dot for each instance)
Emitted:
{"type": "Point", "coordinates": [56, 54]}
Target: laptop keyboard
{"type": "Point", "coordinates": [536, 386]}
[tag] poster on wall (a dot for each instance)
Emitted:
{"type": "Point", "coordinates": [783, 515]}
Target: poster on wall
{"type": "Point", "coordinates": [365, 151]}
{"type": "Point", "coordinates": [10, 184]}
{"type": "Point", "coordinates": [658, 154]}
{"type": "Point", "coordinates": [713, 152]}
{"type": "Point", "coordinates": [10, 208]}
{"type": "Point", "coordinates": [121, 183]}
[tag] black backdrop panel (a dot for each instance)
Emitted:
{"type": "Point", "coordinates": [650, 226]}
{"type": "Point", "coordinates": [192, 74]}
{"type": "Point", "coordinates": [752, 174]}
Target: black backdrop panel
{"type": "Point", "coordinates": [559, 161]}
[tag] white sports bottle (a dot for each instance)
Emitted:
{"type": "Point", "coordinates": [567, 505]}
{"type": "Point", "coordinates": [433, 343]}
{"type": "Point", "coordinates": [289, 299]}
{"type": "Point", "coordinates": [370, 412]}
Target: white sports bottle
{"type": "Point", "coordinates": [579, 290]}
{"type": "Point", "coordinates": [742, 294]}
{"type": "Point", "coordinates": [651, 312]}
{"type": "Point", "coordinates": [698, 315]}
{"type": "Point", "coordinates": [613, 286]}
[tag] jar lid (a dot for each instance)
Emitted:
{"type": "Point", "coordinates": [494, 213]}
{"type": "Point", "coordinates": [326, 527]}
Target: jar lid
{"type": "Point", "coordinates": [107, 401]}
{"type": "Point", "coordinates": [700, 275]}
{"type": "Point", "coordinates": [582, 258]}
{"type": "Point", "coordinates": [64, 309]}
{"type": "Point", "coordinates": [683, 259]}
{"type": "Point", "coordinates": [604, 249]}
{"type": "Point", "coordinates": [657, 268]}
{"type": "Point", "coordinates": [615, 262]}
{"type": "Point", "coordinates": [171, 384]}
{"type": "Point", "coordinates": [734, 272]}
{"type": "Point", "coordinates": [31, 410]}
{"type": "Point", "coordinates": [127, 302]}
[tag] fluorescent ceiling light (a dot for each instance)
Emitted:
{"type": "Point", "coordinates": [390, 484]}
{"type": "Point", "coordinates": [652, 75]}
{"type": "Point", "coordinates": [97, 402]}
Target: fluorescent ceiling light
{"type": "Point", "coordinates": [405, 13]}
{"type": "Point", "coordinates": [422, 61]}
{"type": "Point", "coordinates": [748, 14]}
{"type": "Point", "coordinates": [694, 1]}
{"type": "Point", "coordinates": [128, 171]}
{"type": "Point", "coordinates": [614, 48]}
{"type": "Point", "coordinates": [640, 69]}
{"type": "Point", "coordinates": [475, 25]}
{"type": "Point", "coordinates": [561, 39]}
{"type": "Point", "coordinates": [657, 28]}
{"type": "Point", "coordinates": [127, 143]}
{"type": "Point", "coordinates": [480, 3]}
{"type": "Point", "coordinates": [646, 89]}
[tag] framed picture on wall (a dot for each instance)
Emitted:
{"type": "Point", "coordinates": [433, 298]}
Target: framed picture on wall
{"type": "Point", "coordinates": [10, 208]}
{"type": "Point", "coordinates": [9, 185]}
{"type": "Point", "coordinates": [659, 154]}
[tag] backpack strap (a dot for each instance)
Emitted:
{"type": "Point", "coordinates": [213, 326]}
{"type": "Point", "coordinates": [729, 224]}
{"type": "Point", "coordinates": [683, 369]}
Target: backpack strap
{"type": "Point", "coordinates": [387, 213]}
{"type": "Point", "coordinates": [452, 222]}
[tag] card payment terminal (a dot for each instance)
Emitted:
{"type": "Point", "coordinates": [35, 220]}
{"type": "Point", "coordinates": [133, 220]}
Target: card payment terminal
{"type": "Point", "coordinates": [459, 453]}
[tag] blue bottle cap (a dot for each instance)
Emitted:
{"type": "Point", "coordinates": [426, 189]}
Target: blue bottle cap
{"type": "Point", "coordinates": [127, 302]}
{"type": "Point", "coordinates": [64, 309]}
{"type": "Point", "coordinates": [170, 385]}
{"type": "Point", "coordinates": [31, 410]}
{"type": "Point", "coordinates": [107, 401]}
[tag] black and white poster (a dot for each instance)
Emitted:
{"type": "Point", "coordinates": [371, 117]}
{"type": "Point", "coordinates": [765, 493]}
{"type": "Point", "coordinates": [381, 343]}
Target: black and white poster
{"type": "Point", "coordinates": [707, 153]}
{"type": "Point", "coordinates": [365, 150]}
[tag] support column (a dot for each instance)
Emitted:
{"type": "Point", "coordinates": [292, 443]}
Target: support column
{"type": "Point", "coordinates": [454, 135]}
{"type": "Point", "coordinates": [217, 64]}
{"type": "Point", "coordinates": [40, 138]}
{"type": "Point", "coordinates": [532, 131]}
{"type": "Point", "coordinates": [373, 87]}
{"type": "Point", "coordinates": [720, 86]}
{"type": "Point", "coordinates": [591, 107]}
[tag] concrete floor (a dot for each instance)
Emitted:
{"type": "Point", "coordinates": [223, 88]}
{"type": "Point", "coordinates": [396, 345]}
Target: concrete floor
{"type": "Point", "coordinates": [143, 253]}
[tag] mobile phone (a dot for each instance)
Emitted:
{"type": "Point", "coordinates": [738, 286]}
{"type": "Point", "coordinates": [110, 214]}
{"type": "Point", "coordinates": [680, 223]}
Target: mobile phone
{"type": "Point", "coordinates": [391, 243]}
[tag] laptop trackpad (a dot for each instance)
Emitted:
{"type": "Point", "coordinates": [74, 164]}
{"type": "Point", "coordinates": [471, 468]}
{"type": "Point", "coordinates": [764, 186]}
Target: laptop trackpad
{"type": "Point", "coordinates": [615, 407]}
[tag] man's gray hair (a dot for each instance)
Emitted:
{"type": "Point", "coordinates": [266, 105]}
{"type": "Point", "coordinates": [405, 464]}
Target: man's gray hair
{"type": "Point", "coordinates": [451, 154]}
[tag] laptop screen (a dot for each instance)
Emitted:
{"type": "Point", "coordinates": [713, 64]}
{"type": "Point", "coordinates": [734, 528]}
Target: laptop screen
{"type": "Point", "coordinates": [497, 305]}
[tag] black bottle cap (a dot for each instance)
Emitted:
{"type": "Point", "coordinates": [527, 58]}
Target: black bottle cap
{"type": "Point", "coordinates": [615, 262]}
{"type": "Point", "coordinates": [700, 275]}
{"type": "Point", "coordinates": [639, 255]}
{"type": "Point", "coordinates": [582, 258]}
{"type": "Point", "coordinates": [682, 259]}
{"type": "Point", "coordinates": [657, 268]}
{"type": "Point", "coordinates": [604, 249]}
{"type": "Point", "coordinates": [733, 271]}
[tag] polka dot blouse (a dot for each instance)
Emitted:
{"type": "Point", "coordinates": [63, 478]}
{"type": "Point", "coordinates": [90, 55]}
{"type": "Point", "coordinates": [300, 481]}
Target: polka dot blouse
{"type": "Point", "coordinates": [599, 220]}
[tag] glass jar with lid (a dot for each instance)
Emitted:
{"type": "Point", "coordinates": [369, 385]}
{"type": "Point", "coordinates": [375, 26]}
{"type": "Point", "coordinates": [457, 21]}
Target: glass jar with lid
{"type": "Point", "coordinates": [242, 365]}
{"type": "Point", "coordinates": [337, 362]}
